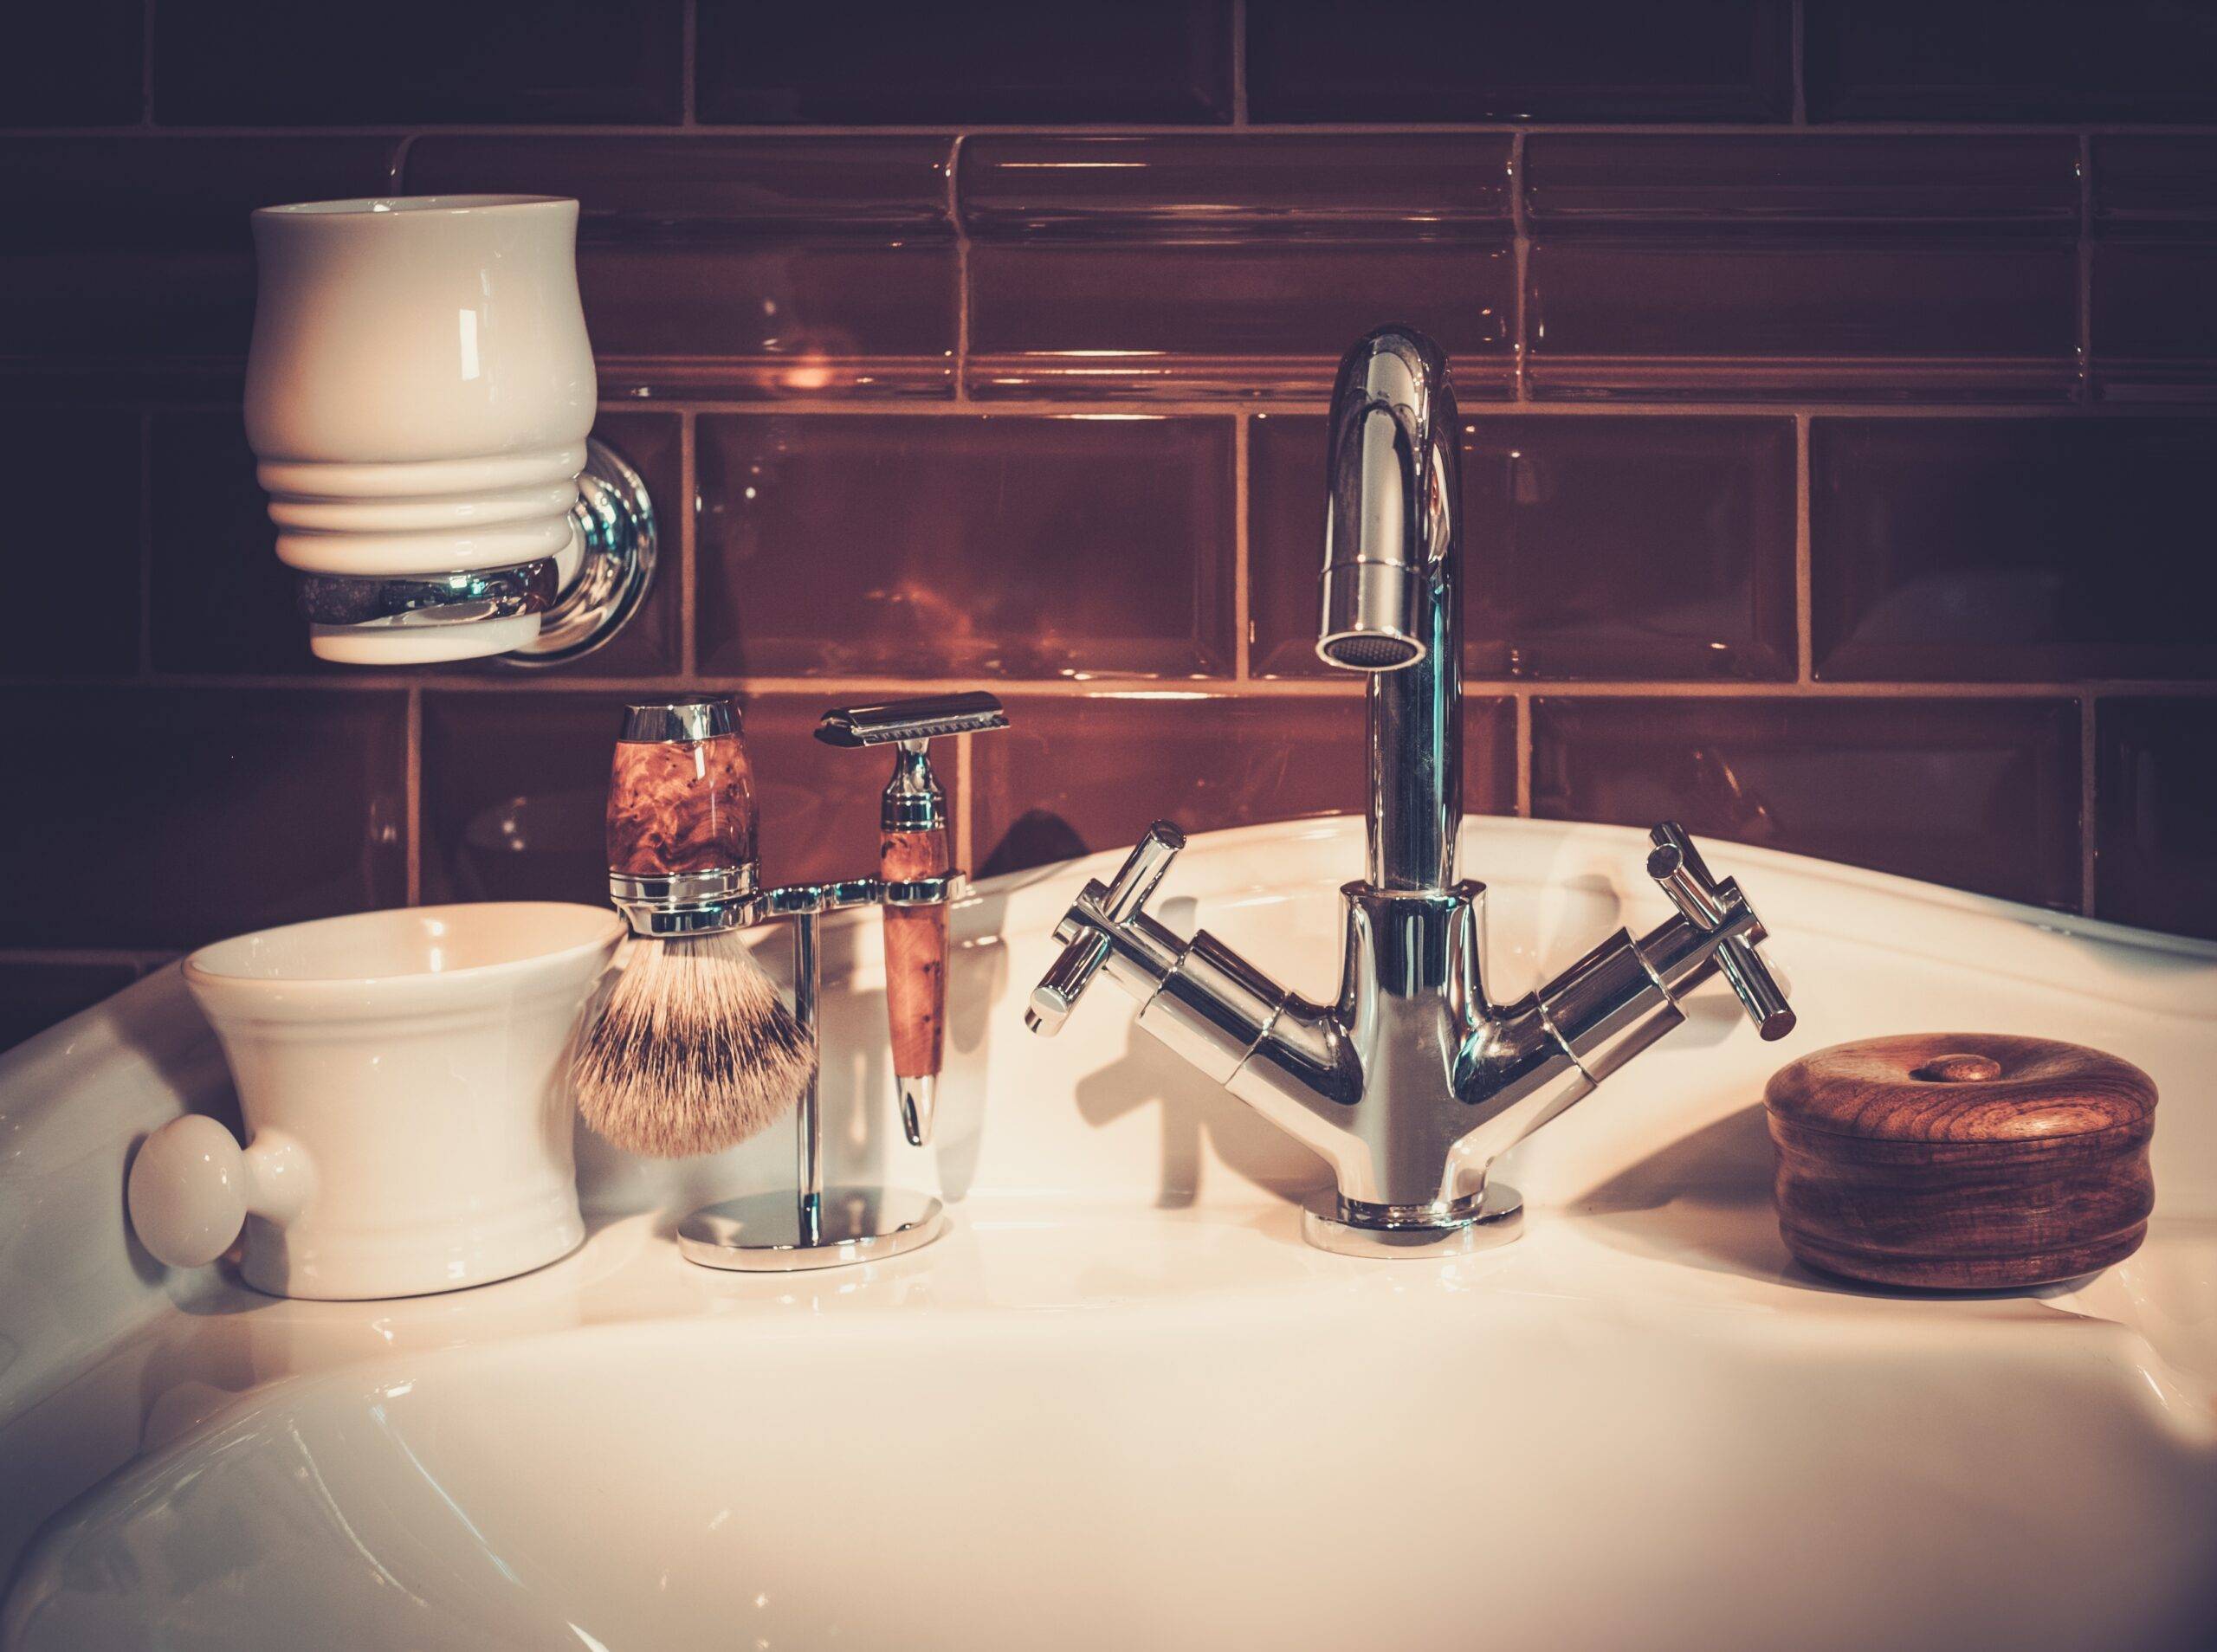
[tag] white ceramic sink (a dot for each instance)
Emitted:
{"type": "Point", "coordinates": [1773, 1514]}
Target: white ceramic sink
{"type": "Point", "coordinates": [1124, 1404]}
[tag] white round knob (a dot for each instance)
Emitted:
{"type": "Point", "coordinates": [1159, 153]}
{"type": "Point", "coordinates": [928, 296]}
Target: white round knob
{"type": "Point", "coordinates": [188, 1191]}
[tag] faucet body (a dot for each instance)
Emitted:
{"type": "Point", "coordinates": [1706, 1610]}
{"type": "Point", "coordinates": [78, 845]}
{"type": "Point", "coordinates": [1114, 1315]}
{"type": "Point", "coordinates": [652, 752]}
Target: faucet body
{"type": "Point", "coordinates": [1412, 1082]}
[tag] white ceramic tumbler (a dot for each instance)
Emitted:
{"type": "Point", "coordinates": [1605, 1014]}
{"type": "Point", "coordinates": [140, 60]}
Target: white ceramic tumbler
{"type": "Point", "coordinates": [403, 1077]}
{"type": "Point", "coordinates": [418, 394]}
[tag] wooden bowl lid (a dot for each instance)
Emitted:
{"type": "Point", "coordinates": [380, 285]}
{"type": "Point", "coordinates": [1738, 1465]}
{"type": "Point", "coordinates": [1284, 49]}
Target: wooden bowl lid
{"type": "Point", "coordinates": [1961, 1087]}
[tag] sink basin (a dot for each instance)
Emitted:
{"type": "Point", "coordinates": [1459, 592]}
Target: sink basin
{"type": "Point", "coordinates": [1123, 1403]}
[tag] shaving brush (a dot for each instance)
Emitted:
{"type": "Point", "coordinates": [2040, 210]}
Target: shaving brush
{"type": "Point", "coordinates": [696, 1050]}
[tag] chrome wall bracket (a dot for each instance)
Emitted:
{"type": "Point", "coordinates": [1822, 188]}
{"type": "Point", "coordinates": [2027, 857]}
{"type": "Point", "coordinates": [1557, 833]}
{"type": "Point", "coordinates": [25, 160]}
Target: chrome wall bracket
{"type": "Point", "coordinates": [615, 559]}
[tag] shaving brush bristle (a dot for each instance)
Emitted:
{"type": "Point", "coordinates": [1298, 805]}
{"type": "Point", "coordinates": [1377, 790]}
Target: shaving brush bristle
{"type": "Point", "coordinates": [696, 1052]}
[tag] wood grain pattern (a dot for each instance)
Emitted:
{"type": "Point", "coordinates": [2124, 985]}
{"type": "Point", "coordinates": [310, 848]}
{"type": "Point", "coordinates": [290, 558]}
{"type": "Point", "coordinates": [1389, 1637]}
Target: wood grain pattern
{"type": "Point", "coordinates": [680, 806]}
{"type": "Point", "coordinates": [915, 955]}
{"type": "Point", "coordinates": [1961, 1161]}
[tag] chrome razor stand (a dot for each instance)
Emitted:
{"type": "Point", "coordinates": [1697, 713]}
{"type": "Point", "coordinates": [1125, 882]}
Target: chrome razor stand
{"type": "Point", "coordinates": [813, 1226]}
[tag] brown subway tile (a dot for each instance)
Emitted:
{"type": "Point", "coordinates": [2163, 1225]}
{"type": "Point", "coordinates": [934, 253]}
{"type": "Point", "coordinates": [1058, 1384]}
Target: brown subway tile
{"type": "Point", "coordinates": [1979, 794]}
{"type": "Point", "coordinates": [1193, 266]}
{"type": "Point", "coordinates": [81, 63]}
{"type": "Point", "coordinates": [130, 260]}
{"type": "Point", "coordinates": [220, 601]}
{"type": "Point", "coordinates": [36, 994]}
{"type": "Point", "coordinates": [2154, 266]}
{"type": "Point", "coordinates": [2010, 59]}
{"type": "Point", "coordinates": [2030, 549]}
{"type": "Point", "coordinates": [2156, 803]}
{"type": "Point", "coordinates": [74, 521]}
{"type": "Point", "coordinates": [1848, 267]}
{"type": "Point", "coordinates": [1592, 546]}
{"type": "Point", "coordinates": [953, 545]}
{"type": "Point", "coordinates": [747, 266]}
{"type": "Point", "coordinates": [1569, 60]}
{"type": "Point", "coordinates": [1077, 773]}
{"type": "Point", "coordinates": [277, 63]}
{"type": "Point", "coordinates": [230, 811]}
{"type": "Point", "coordinates": [516, 788]}
{"type": "Point", "coordinates": [983, 62]}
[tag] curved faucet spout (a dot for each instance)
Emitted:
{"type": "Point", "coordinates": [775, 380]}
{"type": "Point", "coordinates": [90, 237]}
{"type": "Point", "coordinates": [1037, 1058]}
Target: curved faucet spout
{"type": "Point", "coordinates": [1393, 549]}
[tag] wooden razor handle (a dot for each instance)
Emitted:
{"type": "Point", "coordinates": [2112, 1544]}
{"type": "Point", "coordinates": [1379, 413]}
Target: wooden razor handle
{"type": "Point", "coordinates": [680, 806]}
{"type": "Point", "coordinates": [916, 968]}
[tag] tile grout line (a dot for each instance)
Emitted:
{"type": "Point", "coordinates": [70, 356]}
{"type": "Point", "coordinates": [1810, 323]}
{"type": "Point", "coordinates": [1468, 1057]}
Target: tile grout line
{"type": "Point", "coordinates": [1238, 63]}
{"type": "Point", "coordinates": [146, 66]}
{"type": "Point", "coordinates": [146, 655]}
{"type": "Point", "coordinates": [688, 533]}
{"type": "Point", "coordinates": [1523, 703]}
{"type": "Point", "coordinates": [1805, 641]}
{"type": "Point", "coordinates": [688, 41]}
{"type": "Point", "coordinates": [141, 959]}
{"type": "Point", "coordinates": [2085, 268]}
{"type": "Point", "coordinates": [1143, 686]}
{"type": "Point", "coordinates": [961, 271]}
{"type": "Point", "coordinates": [1242, 621]}
{"type": "Point", "coordinates": [2088, 843]}
{"type": "Point", "coordinates": [1520, 252]}
{"type": "Point", "coordinates": [1799, 48]}
{"type": "Point", "coordinates": [795, 133]}
{"type": "Point", "coordinates": [412, 781]}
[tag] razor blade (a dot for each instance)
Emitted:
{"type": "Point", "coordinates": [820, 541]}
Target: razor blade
{"type": "Point", "coordinates": [928, 717]}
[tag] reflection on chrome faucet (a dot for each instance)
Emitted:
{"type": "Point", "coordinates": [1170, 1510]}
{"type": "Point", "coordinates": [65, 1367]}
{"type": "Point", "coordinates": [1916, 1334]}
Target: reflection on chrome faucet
{"type": "Point", "coordinates": [1410, 1082]}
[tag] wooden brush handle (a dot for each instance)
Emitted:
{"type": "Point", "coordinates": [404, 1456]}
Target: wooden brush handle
{"type": "Point", "coordinates": [915, 954]}
{"type": "Point", "coordinates": [680, 806]}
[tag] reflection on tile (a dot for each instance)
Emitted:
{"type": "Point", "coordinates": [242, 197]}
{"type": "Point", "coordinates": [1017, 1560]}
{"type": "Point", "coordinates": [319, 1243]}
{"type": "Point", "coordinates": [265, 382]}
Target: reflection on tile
{"type": "Point", "coordinates": [232, 811]}
{"type": "Point", "coordinates": [1877, 267]}
{"type": "Point", "coordinates": [132, 255]}
{"type": "Point", "coordinates": [1229, 266]}
{"type": "Point", "coordinates": [2012, 549]}
{"type": "Point", "coordinates": [35, 994]}
{"type": "Point", "coordinates": [2155, 773]}
{"type": "Point", "coordinates": [1077, 773]}
{"type": "Point", "coordinates": [749, 267]}
{"type": "Point", "coordinates": [515, 791]}
{"type": "Point", "coordinates": [1979, 794]}
{"type": "Point", "coordinates": [1593, 546]}
{"type": "Point", "coordinates": [947, 546]}
{"type": "Point", "coordinates": [2154, 330]}
{"type": "Point", "coordinates": [75, 538]}
{"type": "Point", "coordinates": [277, 63]}
{"type": "Point", "coordinates": [982, 62]}
{"type": "Point", "coordinates": [2010, 59]}
{"type": "Point", "coordinates": [1569, 60]}
{"type": "Point", "coordinates": [85, 58]}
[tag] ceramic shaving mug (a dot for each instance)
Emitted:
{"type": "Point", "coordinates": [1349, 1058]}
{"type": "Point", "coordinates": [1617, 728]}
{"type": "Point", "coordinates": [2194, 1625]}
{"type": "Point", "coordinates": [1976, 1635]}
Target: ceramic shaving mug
{"type": "Point", "coordinates": [418, 393]}
{"type": "Point", "coordinates": [403, 1077]}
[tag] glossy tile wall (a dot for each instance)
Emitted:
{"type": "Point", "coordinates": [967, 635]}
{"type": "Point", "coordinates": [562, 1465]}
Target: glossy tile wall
{"type": "Point", "coordinates": [1839, 383]}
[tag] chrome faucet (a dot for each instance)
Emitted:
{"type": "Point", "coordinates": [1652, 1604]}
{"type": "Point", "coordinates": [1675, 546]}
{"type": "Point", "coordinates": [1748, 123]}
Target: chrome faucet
{"type": "Point", "coordinates": [1410, 1082]}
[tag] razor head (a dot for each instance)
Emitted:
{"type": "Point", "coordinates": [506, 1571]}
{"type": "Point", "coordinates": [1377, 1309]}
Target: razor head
{"type": "Point", "coordinates": [926, 717]}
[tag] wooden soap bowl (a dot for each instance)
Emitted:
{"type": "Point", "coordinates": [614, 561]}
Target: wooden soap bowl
{"type": "Point", "coordinates": [1961, 1161]}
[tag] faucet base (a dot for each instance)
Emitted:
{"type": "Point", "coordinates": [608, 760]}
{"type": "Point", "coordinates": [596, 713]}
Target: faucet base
{"type": "Point", "coordinates": [1494, 1218]}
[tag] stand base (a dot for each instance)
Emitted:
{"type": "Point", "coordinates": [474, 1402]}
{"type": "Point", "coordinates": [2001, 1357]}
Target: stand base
{"type": "Point", "coordinates": [1498, 1218]}
{"type": "Point", "coordinates": [767, 1233]}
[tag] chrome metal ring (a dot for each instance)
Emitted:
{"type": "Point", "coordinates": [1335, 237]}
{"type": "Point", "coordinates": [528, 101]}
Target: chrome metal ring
{"type": "Point", "coordinates": [685, 903]}
{"type": "Point", "coordinates": [936, 891]}
{"type": "Point", "coordinates": [460, 598]}
{"type": "Point", "coordinates": [617, 539]}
